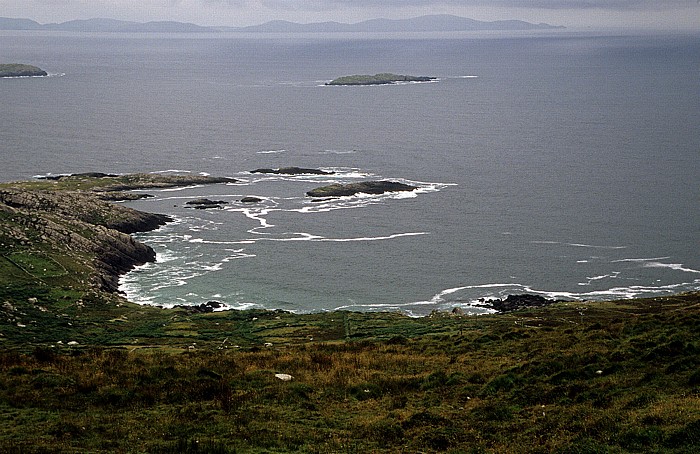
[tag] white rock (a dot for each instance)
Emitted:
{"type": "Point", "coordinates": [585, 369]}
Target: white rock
{"type": "Point", "coordinates": [284, 377]}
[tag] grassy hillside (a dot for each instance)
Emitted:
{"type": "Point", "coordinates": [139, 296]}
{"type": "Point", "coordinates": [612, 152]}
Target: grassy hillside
{"type": "Point", "coordinates": [597, 377]}
{"type": "Point", "coordinates": [83, 370]}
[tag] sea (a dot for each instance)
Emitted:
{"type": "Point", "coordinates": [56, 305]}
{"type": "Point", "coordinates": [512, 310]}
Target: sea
{"type": "Point", "coordinates": [559, 163]}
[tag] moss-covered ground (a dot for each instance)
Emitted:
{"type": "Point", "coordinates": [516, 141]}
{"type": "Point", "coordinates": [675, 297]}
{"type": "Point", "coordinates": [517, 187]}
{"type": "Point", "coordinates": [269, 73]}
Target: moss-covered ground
{"type": "Point", "coordinates": [574, 377]}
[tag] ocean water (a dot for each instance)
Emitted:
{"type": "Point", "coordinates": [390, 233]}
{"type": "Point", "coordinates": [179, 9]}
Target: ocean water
{"type": "Point", "coordinates": [559, 163]}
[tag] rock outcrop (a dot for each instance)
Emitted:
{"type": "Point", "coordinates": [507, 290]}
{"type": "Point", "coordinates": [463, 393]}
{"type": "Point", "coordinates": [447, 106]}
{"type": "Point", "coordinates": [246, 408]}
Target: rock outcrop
{"type": "Point", "coordinates": [80, 225]}
{"type": "Point", "coordinates": [366, 187]}
{"type": "Point", "coordinates": [203, 204]}
{"type": "Point", "coordinates": [251, 199]}
{"type": "Point", "coordinates": [515, 302]}
{"type": "Point", "coordinates": [293, 171]}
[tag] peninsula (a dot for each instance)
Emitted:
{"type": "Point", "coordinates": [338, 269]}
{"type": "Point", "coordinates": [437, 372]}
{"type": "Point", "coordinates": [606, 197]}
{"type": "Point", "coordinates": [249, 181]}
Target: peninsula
{"type": "Point", "coordinates": [378, 79]}
{"type": "Point", "coordinates": [20, 70]}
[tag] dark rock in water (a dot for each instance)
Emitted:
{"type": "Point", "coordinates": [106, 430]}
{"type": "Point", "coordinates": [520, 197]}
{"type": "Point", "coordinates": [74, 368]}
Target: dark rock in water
{"type": "Point", "coordinates": [94, 175]}
{"type": "Point", "coordinates": [203, 204]}
{"type": "Point", "coordinates": [204, 308]}
{"type": "Point", "coordinates": [120, 196]}
{"type": "Point", "coordinates": [515, 302]}
{"type": "Point", "coordinates": [367, 187]}
{"type": "Point", "coordinates": [293, 171]}
{"type": "Point", "coordinates": [251, 200]}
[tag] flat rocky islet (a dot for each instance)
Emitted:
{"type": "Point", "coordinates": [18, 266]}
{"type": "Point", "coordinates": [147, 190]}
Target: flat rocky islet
{"type": "Point", "coordinates": [84, 370]}
{"type": "Point", "coordinates": [378, 79]}
{"type": "Point", "coordinates": [20, 70]}
{"type": "Point", "coordinates": [293, 171]}
{"type": "Point", "coordinates": [203, 204]}
{"type": "Point", "coordinates": [365, 187]}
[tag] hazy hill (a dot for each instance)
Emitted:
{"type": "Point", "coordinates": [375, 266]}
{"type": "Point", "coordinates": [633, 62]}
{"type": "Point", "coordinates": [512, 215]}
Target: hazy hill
{"type": "Point", "coordinates": [432, 23]}
{"type": "Point", "coordinates": [7, 23]}
{"type": "Point", "coordinates": [112, 25]}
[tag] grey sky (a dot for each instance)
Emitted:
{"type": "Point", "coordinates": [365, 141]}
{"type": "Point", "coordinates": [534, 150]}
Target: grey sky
{"type": "Point", "coordinates": [680, 14]}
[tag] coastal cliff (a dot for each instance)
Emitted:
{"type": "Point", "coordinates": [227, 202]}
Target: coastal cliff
{"type": "Point", "coordinates": [78, 225]}
{"type": "Point", "coordinates": [63, 224]}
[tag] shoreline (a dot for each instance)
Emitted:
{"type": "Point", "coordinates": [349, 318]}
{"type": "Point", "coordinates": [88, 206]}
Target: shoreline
{"type": "Point", "coordinates": [115, 252]}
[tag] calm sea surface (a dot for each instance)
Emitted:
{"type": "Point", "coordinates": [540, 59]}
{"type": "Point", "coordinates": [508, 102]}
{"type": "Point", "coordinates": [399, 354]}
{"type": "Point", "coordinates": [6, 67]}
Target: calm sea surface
{"type": "Point", "coordinates": [562, 164]}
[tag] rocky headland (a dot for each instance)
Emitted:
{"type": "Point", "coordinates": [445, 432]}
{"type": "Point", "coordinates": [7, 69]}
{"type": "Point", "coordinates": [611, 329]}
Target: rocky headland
{"type": "Point", "coordinates": [379, 79]}
{"type": "Point", "coordinates": [365, 187]}
{"type": "Point", "coordinates": [65, 219]}
{"type": "Point", "coordinates": [20, 70]}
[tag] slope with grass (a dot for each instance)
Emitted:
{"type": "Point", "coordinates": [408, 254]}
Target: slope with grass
{"type": "Point", "coordinates": [84, 370]}
{"type": "Point", "coordinates": [597, 377]}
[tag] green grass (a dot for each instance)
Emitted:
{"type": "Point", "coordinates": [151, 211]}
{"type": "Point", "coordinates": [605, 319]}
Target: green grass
{"type": "Point", "coordinates": [621, 378]}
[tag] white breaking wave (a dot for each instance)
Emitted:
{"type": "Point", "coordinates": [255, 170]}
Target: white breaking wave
{"type": "Point", "coordinates": [581, 245]}
{"type": "Point", "coordinates": [654, 263]}
{"type": "Point", "coordinates": [171, 171]}
{"type": "Point", "coordinates": [338, 152]}
{"type": "Point", "coordinates": [673, 266]}
{"type": "Point", "coordinates": [471, 298]}
{"type": "Point", "coordinates": [640, 260]}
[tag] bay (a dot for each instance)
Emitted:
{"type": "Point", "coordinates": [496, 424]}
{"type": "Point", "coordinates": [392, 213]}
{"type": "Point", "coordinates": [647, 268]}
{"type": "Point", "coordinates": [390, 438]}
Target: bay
{"type": "Point", "coordinates": [558, 163]}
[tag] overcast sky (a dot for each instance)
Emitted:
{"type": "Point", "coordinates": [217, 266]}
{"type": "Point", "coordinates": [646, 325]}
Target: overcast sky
{"type": "Point", "coordinates": [681, 14]}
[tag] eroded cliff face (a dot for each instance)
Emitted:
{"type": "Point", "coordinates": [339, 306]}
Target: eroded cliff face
{"type": "Point", "coordinates": [80, 225]}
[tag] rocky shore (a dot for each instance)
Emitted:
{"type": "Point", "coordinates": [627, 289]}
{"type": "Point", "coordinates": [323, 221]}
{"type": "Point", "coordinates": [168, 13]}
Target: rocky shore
{"type": "Point", "coordinates": [69, 218]}
{"type": "Point", "coordinates": [79, 224]}
{"type": "Point", "coordinates": [517, 302]}
{"type": "Point", "coordinates": [292, 171]}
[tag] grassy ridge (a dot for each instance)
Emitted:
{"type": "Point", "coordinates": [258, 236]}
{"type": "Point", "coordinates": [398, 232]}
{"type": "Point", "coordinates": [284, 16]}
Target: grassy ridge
{"type": "Point", "coordinates": [600, 377]}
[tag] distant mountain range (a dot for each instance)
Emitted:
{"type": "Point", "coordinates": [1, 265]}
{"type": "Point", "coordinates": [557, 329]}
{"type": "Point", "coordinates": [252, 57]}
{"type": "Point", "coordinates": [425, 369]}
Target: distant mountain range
{"type": "Point", "coordinates": [432, 23]}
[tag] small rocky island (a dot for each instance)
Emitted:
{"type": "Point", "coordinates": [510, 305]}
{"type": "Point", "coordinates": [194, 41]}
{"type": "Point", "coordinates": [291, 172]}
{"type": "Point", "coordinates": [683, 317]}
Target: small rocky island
{"type": "Point", "coordinates": [20, 70]}
{"type": "Point", "coordinates": [366, 187]}
{"type": "Point", "coordinates": [292, 171]}
{"type": "Point", "coordinates": [379, 79]}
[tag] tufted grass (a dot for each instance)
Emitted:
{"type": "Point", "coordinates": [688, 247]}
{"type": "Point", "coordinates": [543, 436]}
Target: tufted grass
{"type": "Point", "coordinates": [621, 378]}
